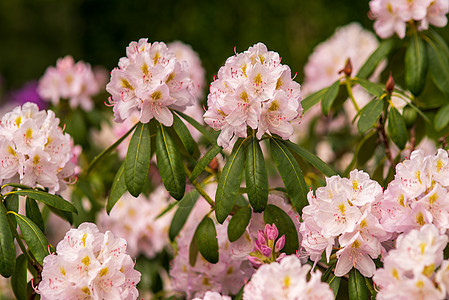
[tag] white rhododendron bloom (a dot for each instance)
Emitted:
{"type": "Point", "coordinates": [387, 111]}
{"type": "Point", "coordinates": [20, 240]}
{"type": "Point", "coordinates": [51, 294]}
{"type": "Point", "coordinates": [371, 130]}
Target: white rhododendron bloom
{"type": "Point", "coordinates": [89, 265]}
{"type": "Point", "coordinates": [253, 89]}
{"type": "Point", "coordinates": [213, 296]}
{"type": "Point", "coordinates": [69, 80]}
{"type": "Point", "coordinates": [286, 280]}
{"type": "Point", "coordinates": [34, 150]}
{"type": "Point", "coordinates": [150, 81]}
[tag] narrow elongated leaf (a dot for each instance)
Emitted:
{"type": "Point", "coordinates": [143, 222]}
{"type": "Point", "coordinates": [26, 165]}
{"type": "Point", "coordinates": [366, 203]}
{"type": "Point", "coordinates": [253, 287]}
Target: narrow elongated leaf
{"type": "Point", "coordinates": [442, 118]}
{"type": "Point", "coordinates": [170, 164]}
{"type": "Point", "coordinates": [204, 161]}
{"type": "Point", "coordinates": [356, 286]}
{"type": "Point", "coordinates": [137, 161]}
{"type": "Point", "coordinates": [118, 188]}
{"type": "Point", "coordinates": [273, 214]}
{"type": "Point", "coordinates": [17, 185]}
{"type": "Point", "coordinates": [256, 176]}
{"type": "Point", "coordinates": [334, 284]}
{"type": "Point", "coordinates": [290, 173]}
{"type": "Point", "coordinates": [12, 204]}
{"type": "Point", "coordinates": [65, 215]}
{"type": "Point", "coordinates": [210, 135]}
{"type": "Point", "coordinates": [416, 64]}
{"type": "Point", "coordinates": [397, 128]}
{"type": "Point", "coordinates": [439, 65]}
{"type": "Point", "coordinates": [313, 99]}
{"type": "Point", "coordinates": [384, 49]}
{"type": "Point", "coordinates": [108, 150]}
{"type": "Point", "coordinates": [19, 278]}
{"type": "Point", "coordinates": [238, 223]}
{"type": "Point", "coordinates": [329, 97]}
{"type": "Point", "coordinates": [206, 239]}
{"type": "Point", "coordinates": [33, 212]}
{"type": "Point", "coordinates": [7, 250]}
{"type": "Point", "coordinates": [182, 213]}
{"type": "Point", "coordinates": [229, 182]}
{"type": "Point", "coordinates": [35, 239]}
{"type": "Point", "coordinates": [311, 158]}
{"type": "Point", "coordinates": [193, 251]}
{"type": "Point", "coordinates": [369, 115]}
{"type": "Point", "coordinates": [184, 134]}
{"type": "Point", "coordinates": [373, 88]}
{"type": "Point", "coordinates": [49, 199]}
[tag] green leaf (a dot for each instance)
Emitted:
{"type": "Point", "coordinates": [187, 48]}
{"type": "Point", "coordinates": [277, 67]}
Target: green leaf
{"type": "Point", "coordinates": [396, 128]}
{"type": "Point", "coordinates": [210, 136]}
{"type": "Point", "coordinates": [49, 199]}
{"type": "Point", "coordinates": [204, 161]}
{"type": "Point", "coordinates": [19, 278]}
{"type": "Point", "coordinates": [7, 250]}
{"type": "Point", "coordinates": [416, 64]}
{"type": "Point", "coordinates": [35, 239]}
{"type": "Point", "coordinates": [356, 286]}
{"type": "Point", "coordinates": [17, 185]}
{"type": "Point", "coordinates": [65, 215]}
{"type": "Point", "coordinates": [442, 118]}
{"type": "Point", "coordinates": [311, 158]}
{"type": "Point", "coordinates": [184, 134]}
{"type": "Point", "coordinates": [329, 97]}
{"type": "Point", "coordinates": [238, 223]}
{"type": "Point", "coordinates": [206, 239]}
{"type": "Point", "coordinates": [438, 55]}
{"type": "Point", "coordinates": [273, 214]}
{"type": "Point", "coordinates": [33, 212]}
{"type": "Point", "coordinates": [108, 150]}
{"type": "Point", "coordinates": [256, 176]}
{"type": "Point", "coordinates": [290, 173]}
{"type": "Point", "coordinates": [369, 115]}
{"type": "Point", "coordinates": [137, 161]}
{"type": "Point", "coordinates": [169, 162]}
{"type": "Point", "coordinates": [334, 284]}
{"type": "Point", "coordinates": [229, 182]}
{"type": "Point", "coordinates": [182, 213]}
{"type": "Point", "coordinates": [118, 188]}
{"type": "Point", "coordinates": [12, 204]}
{"type": "Point", "coordinates": [373, 88]}
{"type": "Point", "coordinates": [384, 49]}
{"type": "Point", "coordinates": [313, 99]}
{"type": "Point", "coordinates": [193, 251]}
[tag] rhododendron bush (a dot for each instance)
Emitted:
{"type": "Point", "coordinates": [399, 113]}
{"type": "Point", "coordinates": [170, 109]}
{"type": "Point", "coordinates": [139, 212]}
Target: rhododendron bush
{"type": "Point", "coordinates": [143, 184]}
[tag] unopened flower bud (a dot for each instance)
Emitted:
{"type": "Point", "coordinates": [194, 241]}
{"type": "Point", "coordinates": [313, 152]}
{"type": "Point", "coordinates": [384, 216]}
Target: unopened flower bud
{"type": "Point", "coordinates": [389, 86]}
{"type": "Point", "coordinates": [280, 243]}
{"type": "Point", "coordinates": [347, 69]}
{"type": "Point", "coordinates": [271, 232]}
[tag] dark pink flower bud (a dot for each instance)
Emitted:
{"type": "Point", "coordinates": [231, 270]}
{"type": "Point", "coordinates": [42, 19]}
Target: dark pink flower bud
{"type": "Point", "coordinates": [255, 261]}
{"type": "Point", "coordinates": [271, 232]}
{"type": "Point", "coordinates": [280, 243]}
{"type": "Point", "coordinates": [266, 251]}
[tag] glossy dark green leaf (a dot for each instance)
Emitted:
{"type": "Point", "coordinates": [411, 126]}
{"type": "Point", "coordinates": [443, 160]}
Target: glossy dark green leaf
{"type": "Point", "coordinates": [46, 198]}
{"type": "Point", "coordinates": [238, 223]}
{"type": "Point", "coordinates": [356, 286]}
{"type": "Point", "coordinates": [438, 55]}
{"type": "Point", "coordinates": [373, 88]}
{"type": "Point", "coordinates": [12, 204]}
{"type": "Point", "coordinates": [442, 118]}
{"type": "Point", "coordinates": [229, 182]}
{"type": "Point", "coordinates": [169, 162]}
{"type": "Point", "coordinates": [384, 49]}
{"type": "Point", "coordinates": [396, 128]}
{"type": "Point", "coordinates": [290, 173]}
{"type": "Point", "coordinates": [210, 135]}
{"type": "Point", "coordinates": [184, 134]}
{"type": "Point", "coordinates": [204, 161]}
{"type": "Point", "coordinates": [193, 251]}
{"type": "Point", "coordinates": [182, 213]}
{"type": "Point", "coordinates": [137, 161]}
{"type": "Point", "coordinates": [311, 158]}
{"type": "Point", "coordinates": [109, 150]}
{"type": "Point", "coordinates": [369, 115]}
{"type": "Point", "coordinates": [33, 236]}
{"type": "Point", "coordinates": [256, 176]}
{"type": "Point", "coordinates": [329, 97]}
{"type": "Point", "coordinates": [17, 185]}
{"type": "Point", "coordinates": [416, 64]}
{"type": "Point", "coordinates": [118, 188]}
{"type": "Point", "coordinates": [33, 212]}
{"type": "Point", "coordinates": [19, 278]}
{"type": "Point", "coordinates": [313, 99]}
{"type": "Point", "coordinates": [206, 239]}
{"type": "Point", "coordinates": [7, 250]}
{"type": "Point", "coordinates": [334, 284]}
{"type": "Point", "coordinates": [285, 225]}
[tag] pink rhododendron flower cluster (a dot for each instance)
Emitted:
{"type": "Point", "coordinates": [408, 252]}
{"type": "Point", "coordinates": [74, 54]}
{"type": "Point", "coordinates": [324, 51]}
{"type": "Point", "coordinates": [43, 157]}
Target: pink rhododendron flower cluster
{"type": "Point", "coordinates": [134, 219]}
{"type": "Point", "coordinates": [409, 270]}
{"type": "Point", "coordinates": [34, 149]}
{"type": "Point", "coordinates": [340, 215]}
{"type": "Point", "coordinates": [150, 81]}
{"type": "Point", "coordinates": [392, 16]}
{"type": "Point", "coordinates": [69, 80]}
{"type": "Point", "coordinates": [267, 246]}
{"type": "Point", "coordinates": [89, 265]}
{"type": "Point", "coordinates": [418, 194]}
{"type": "Point", "coordinates": [286, 280]}
{"type": "Point", "coordinates": [253, 89]}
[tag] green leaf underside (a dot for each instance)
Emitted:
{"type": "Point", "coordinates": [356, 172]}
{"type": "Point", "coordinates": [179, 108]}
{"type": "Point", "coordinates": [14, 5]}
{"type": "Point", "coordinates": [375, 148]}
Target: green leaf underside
{"type": "Point", "coordinates": [49, 199]}
{"type": "Point", "coordinates": [285, 225]}
{"type": "Point", "coordinates": [256, 176]}
{"type": "Point", "coordinates": [137, 161]}
{"type": "Point", "coordinates": [238, 223]}
{"type": "Point", "coordinates": [416, 64]}
{"type": "Point", "coordinates": [206, 239]}
{"type": "Point", "coordinates": [369, 115]}
{"type": "Point", "coordinates": [185, 206]}
{"type": "Point", "coordinates": [7, 250]}
{"type": "Point", "coordinates": [118, 188]}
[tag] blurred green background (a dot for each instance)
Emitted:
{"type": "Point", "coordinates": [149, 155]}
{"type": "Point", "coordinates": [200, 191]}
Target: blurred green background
{"type": "Point", "coordinates": [34, 33]}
